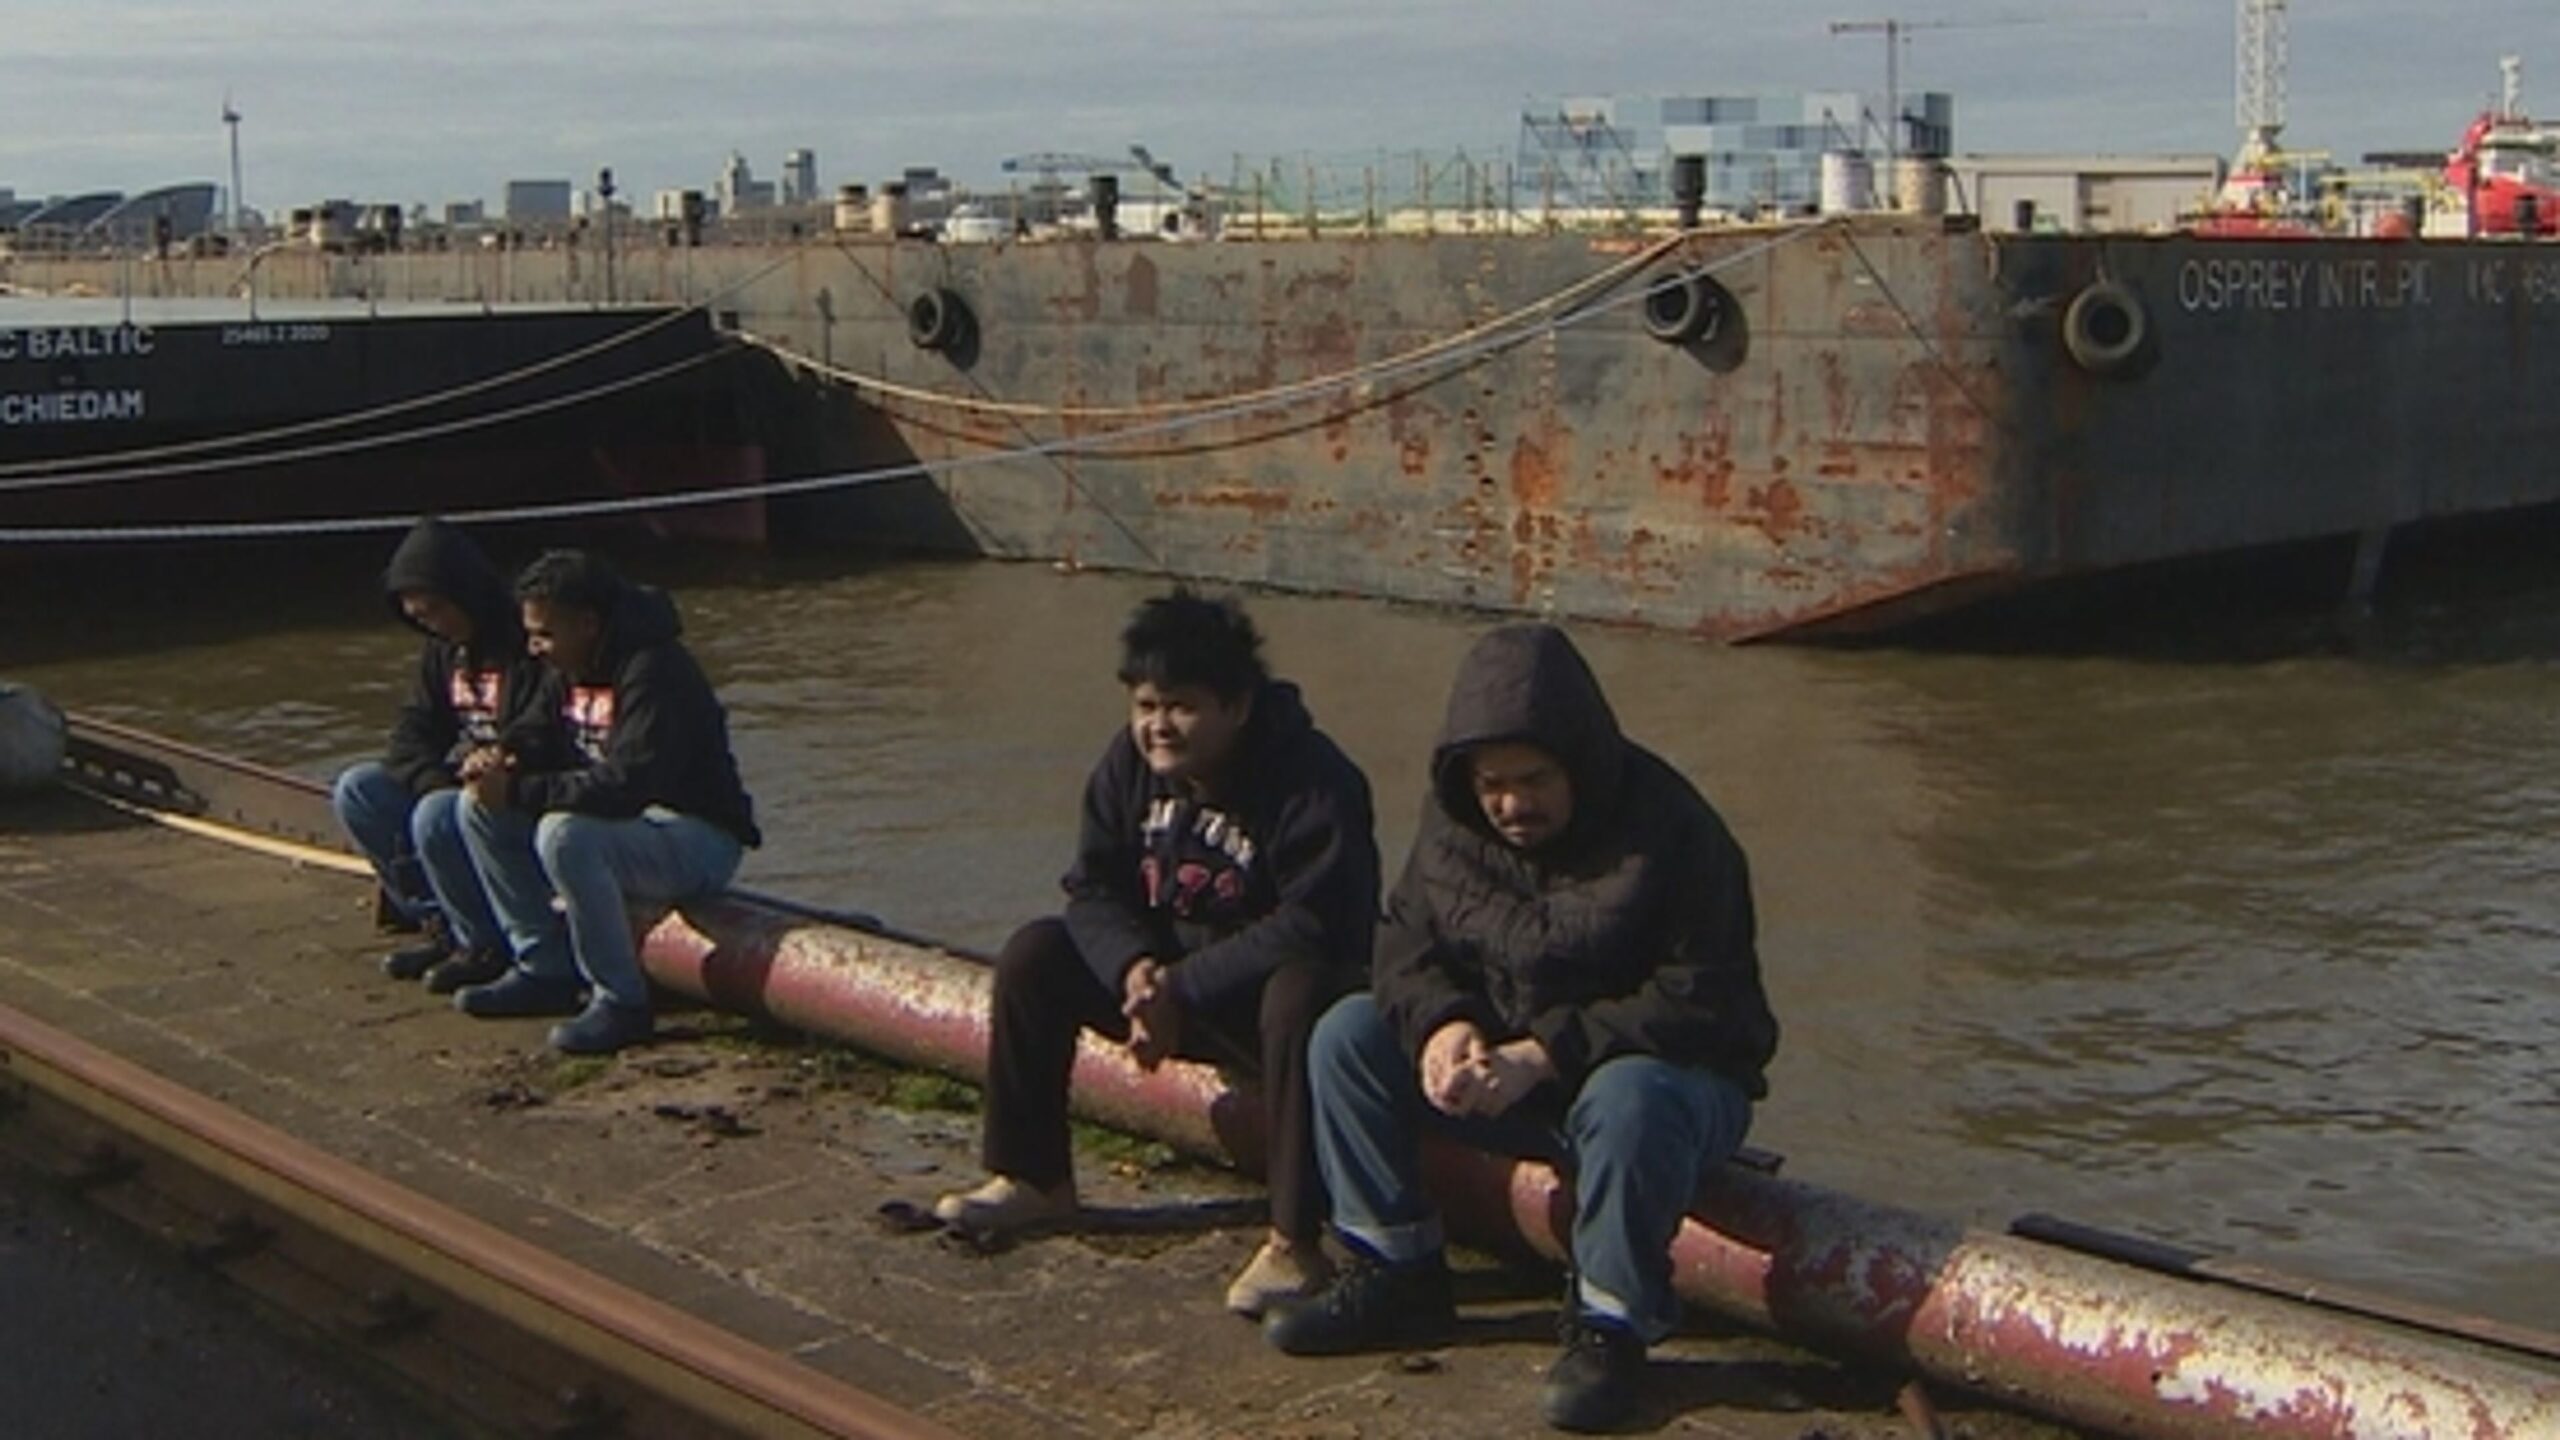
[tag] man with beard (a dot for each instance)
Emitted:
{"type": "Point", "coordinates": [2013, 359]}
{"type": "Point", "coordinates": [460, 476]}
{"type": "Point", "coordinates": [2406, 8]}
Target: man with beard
{"type": "Point", "coordinates": [622, 786]}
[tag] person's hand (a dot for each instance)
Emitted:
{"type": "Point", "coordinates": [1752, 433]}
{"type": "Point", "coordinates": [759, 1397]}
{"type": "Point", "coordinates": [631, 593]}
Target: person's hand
{"type": "Point", "coordinates": [479, 762]}
{"type": "Point", "coordinates": [1138, 983]}
{"type": "Point", "coordinates": [486, 782]}
{"type": "Point", "coordinates": [1510, 1071]}
{"type": "Point", "coordinates": [1453, 1064]}
{"type": "Point", "coordinates": [1154, 1015]}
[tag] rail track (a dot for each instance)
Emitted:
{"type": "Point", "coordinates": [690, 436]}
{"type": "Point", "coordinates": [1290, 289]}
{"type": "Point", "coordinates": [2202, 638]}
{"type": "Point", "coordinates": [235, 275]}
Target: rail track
{"type": "Point", "coordinates": [504, 1336]}
{"type": "Point", "coordinates": [499, 1335]}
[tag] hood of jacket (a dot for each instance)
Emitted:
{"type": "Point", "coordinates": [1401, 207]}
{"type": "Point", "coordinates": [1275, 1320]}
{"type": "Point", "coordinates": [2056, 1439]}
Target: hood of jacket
{"type": "Point", "coordinates": [1280, 720]}
{"type": "Point", "coordinates": [438, 558]}
{"type": "Point", "coordinates": [1528, 683]}
{"type": "Point", "coordinates": [638, 617]}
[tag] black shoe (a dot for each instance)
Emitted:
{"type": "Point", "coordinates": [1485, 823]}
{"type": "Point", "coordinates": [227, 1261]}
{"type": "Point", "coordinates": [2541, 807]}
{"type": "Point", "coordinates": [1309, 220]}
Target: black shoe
{"type": "Point", "coordinates": [1592, 1385]}
{"type": "Point", "coordinates": [602, 1028]}
{"type": "Point", "coordinates": [471, 967]}
{"type": "Point", "coordinates": [1371, 1305]}
{"type": "Point", "coordinates": [413, 961]}
{"type": "Point", "coordinates": [434, 943]}
{"type": "Point", "coordinates": [519, 992]}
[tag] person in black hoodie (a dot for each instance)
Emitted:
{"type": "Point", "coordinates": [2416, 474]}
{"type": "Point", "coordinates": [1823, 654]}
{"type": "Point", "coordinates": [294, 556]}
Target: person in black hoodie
{"type": "Point", "coordinates": [1224, 890]}
{"type": "Point", "coordinates": [1567, 969]}
{"type": "Point", "coordinates": [619, 784]}
{"type": "Point", "coordinates": [473, 675]}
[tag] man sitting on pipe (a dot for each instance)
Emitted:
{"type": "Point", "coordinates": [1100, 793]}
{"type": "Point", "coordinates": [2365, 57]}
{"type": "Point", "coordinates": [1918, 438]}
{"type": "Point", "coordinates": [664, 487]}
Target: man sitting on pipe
{"type": "Point", "coordinates": [1566, 970]}
{"type": "Point", "coordinates": [473, 676]}
{"type": "Point", "coordinates": [620, 785]}
{"type": "Point", "coordinates": [1224, 891]}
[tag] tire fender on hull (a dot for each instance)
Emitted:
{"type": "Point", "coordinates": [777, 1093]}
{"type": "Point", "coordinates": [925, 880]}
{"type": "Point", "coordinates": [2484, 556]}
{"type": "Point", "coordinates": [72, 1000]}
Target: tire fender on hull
{"type": "Point", "coordinates": [2107, 331]}
{"type": "Point", "coordinates": [937, 319]}
{"type": "Point", "coordinates": [1685, 307]}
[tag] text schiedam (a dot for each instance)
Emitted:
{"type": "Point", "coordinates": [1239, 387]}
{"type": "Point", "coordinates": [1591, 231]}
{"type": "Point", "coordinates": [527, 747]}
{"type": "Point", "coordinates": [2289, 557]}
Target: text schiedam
{"type": "Point", "coordinates": [65, 402]}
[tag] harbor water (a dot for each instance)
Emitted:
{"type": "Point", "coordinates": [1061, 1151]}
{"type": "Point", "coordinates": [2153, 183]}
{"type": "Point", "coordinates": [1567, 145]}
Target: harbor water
{"type": "Point", "coordinates": [2246, 946]}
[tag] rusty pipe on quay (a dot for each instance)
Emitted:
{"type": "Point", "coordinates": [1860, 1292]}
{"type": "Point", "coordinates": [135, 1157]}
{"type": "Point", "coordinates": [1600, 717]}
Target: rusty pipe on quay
{"type": "Point", "coordinates": [2062, 1334]}
{"type": "Point", "coordinates": [2048, 1329]}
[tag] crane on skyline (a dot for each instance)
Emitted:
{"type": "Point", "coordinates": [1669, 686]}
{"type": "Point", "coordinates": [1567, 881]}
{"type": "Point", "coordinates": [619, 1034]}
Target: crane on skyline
{"type": "Point", "coordinates": [1897, 33]}
{"type": "Point", "coordinates": [2259, 95]}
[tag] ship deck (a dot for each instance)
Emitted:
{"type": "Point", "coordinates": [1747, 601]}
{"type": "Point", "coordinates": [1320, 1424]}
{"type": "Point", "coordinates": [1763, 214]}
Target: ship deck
{"type": "Point", "coordinates": [736, 1175]}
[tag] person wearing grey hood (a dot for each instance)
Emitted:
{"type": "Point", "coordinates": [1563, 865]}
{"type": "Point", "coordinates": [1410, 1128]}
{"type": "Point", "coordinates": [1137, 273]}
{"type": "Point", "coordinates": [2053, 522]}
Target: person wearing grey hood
{"type": "Point", "coordinates": [473, 675]}
{"type": "Point", "coordinates": [1567, 970]}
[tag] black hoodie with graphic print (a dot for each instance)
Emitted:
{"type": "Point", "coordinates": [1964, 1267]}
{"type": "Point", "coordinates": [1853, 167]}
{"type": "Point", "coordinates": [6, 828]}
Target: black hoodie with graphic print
{"type": "Point", "coordinates": [463, 696]}
{"type": "Point", "coordinates": [1631, 933]}
{"type": "Point", "coordinates": [644, 729]}
{"type": "Point", "coordinates": [1282, 866]}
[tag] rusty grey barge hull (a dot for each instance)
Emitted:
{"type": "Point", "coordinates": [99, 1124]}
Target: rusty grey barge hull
{"type": "Point", "coordinates": [1884, 419]}
{"type": "Point", "coordinates": [1873, 419]}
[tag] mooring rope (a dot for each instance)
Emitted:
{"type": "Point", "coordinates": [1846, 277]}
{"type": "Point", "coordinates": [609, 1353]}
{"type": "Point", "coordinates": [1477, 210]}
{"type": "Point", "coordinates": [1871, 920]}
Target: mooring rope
{"type": "Point", "coordinates": [1099, 445]}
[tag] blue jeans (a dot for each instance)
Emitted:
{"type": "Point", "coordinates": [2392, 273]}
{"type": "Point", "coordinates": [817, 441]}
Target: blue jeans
{"type": "Point", "coordinates": [1636, 1138]}
{"type": "Point", "coordinates": [374, 808]}
{"type": "Point", "coordinates": [595, 866]}
{"type": "Point", "coordinates": [416, 846]}
{"type": "Point", "coordinates": [435, 832]}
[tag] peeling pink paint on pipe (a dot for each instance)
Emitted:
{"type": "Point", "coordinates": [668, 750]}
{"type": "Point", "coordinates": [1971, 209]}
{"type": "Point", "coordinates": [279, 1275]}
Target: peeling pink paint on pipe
{"type": "Point", "coordinates": [2078, 1339]}
{"type": "Point", "coordinates": [923, 1006]}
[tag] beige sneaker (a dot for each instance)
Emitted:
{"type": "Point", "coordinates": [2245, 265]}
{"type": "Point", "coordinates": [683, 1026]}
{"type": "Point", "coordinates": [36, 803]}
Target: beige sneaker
{"type": "Point", "coordinates": [1278, 1272]}
{"type": "Point", "coordinates": [1006, 1204]}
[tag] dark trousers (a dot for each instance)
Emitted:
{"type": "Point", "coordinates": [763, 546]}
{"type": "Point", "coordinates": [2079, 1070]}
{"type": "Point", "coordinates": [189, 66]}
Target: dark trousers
{"type": "Point", "coordinates": [1046, 994]}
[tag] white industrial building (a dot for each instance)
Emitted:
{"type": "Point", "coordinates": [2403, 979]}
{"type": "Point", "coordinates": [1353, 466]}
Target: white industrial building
{"type": "Point", "coordinates": [2066, 193]}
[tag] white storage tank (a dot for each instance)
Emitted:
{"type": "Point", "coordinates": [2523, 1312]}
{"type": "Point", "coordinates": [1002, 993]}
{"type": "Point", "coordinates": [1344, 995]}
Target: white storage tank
{"type": "Point", "coordinates": [1848, 182]}
{"type": "Point", "coordinates": [1920, 185]}
{"type": "Point", "coordinates": [853, 207]}
{"type": "Point", "coordinates": [889, 208]}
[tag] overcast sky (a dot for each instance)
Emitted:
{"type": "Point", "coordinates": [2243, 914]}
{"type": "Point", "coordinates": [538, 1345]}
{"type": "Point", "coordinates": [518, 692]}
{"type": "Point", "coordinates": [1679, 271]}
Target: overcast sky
{"type": "Point", "coordinates": [446, 99]}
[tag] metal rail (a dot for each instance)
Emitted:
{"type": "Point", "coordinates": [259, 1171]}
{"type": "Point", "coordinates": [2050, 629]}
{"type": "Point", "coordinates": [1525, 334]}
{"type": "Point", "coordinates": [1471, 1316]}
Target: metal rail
{"type": "Point", "coordinates": [515, 1338]}
{"type": "Point", "coordinates": [141, 768]}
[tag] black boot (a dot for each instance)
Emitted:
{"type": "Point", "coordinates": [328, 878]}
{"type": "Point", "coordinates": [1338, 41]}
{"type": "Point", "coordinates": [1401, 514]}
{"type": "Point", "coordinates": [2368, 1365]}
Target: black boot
{"type": "Point", "coordinates": [466, 968]}
{"type": "Point", "coordinates": [411, 961]}
{"type": "Point", "coordinates": [1592, 1385]}
{"type": "Point", "coordinates": [1371, 1305]}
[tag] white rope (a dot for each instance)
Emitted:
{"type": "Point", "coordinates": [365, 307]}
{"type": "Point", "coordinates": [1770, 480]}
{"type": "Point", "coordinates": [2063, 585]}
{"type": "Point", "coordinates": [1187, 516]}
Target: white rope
{"type": "Point", "coordinates": [1095, 445]}
{"type": "Point", "coordinates": [327, 449]}
{"type": "Point", "coordinates": [1518, 316]}
{"type": "Point", "coordinates": [395, 407]}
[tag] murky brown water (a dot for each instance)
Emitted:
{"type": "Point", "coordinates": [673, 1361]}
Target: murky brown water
{"type": "Point", "coordinates": [2255, 955]}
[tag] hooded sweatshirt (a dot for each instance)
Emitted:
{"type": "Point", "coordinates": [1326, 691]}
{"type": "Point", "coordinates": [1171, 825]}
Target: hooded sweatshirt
{"type": "Point", "coordinates": [463, 696]}
{"type": "Point", "coordinates": [1630, 933]}
{"type": "Point", "coordinates": [1282, 865]}
{"type": "Point", "coordinates": [644, 729]}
